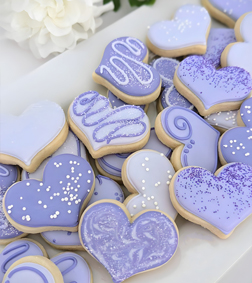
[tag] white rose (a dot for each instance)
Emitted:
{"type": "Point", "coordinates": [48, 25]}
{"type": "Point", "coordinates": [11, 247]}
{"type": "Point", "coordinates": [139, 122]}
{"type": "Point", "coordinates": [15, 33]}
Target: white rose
{"type": "Point", "coordinates": [50, 26]}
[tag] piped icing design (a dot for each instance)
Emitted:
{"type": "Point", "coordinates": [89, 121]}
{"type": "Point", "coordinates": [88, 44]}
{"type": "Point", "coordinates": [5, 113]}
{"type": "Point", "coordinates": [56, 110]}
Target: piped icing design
{"type": "Point", "coordinates": [73, 268]}
{"type": "Point", "coordinates": [117, 102]}
{"type": "Point", "coordinates": [188, 27]}
{"type": "Point", "coordinates": [32, 131]}
{"type": "Point", "coordinates": [122, 66]}
{"type": "Point", "coordinates": [223, 119]}
{"type": "Point", "coordinates": [126, 248]}
{"type": "Point", "coordinates": [62, 238]}
{"type": "Point", "coordinates": [15, 251]}
{"type": "Point", "coordinates": [72, 145]}
{"type": "Point", "coordinates": [8, 176]}
{"type": "Point", "coordinates": [236, 144]}
{"type": "Point", "coordinates": [223, 200]}
{"type": "Point", "coordinates": [189, 129]}
{"type": "Point", "coordinates": [218, 39]}
{"type": "Point", "coordinates": [229, 84]}
{"type": "Point", "coordinates": [102, 126]}
{"type": "Point", "coordinates": [57, 200]}
{"type": "Point", "coordinates": [149, 173]}
{"type": "Point", "coordinates": [112, 163]}
{"type": "Point", "coordinates": [234, 9]}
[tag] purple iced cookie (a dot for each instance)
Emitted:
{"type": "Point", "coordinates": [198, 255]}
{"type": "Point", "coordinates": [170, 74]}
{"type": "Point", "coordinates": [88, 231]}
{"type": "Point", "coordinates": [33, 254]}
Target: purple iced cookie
{"type": "Point", "coordinates": [126, 248]}
{"type": "Point", "coordinates": [73, 268]}
{"type": "Point", "coordinates": [236, 144]}
{"type": "Point", "coordinates": [56, 201]}
{"type": "Point", "coordinates": [219, 203]}
{"type": "Point", "coordinates": [8, 176]}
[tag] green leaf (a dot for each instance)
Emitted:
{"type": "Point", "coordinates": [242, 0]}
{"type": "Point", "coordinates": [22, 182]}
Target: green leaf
{"type": "Point", "coordinates": [117, 3]}
{"type": "Point", "coordinates": [139, 3]}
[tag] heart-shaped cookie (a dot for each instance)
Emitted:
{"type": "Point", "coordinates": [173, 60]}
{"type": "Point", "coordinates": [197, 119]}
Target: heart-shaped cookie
{"type": "Point", "coordinates": [217, 202]}
{"type": "Point", "coordinates": [104, 130]}
{"type": "Point", "coordinates": [190, 135]}
{"type": "Point", "coordinates": [122, 70]}
{"type": "Point", "coordinates": [147, 175]}
{"type": "Point", "coordinates": [186, 34]}
{"type": "Point", "coordinates": [211, 90]}
{"type": "Point", "coordinates": [235, 145]}
{"type": "Point", "coordinates": [26, 140]}
{"type": "Point", "coordinates": [239, 54]}
{"type": "Point", "coordinates": [54, 203]}
{"type": "Point", "coordinates": [126, 246]}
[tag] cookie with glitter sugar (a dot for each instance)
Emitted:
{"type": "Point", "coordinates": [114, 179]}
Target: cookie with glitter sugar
{"type": "Point", "coordinates": [123, 70]}
{"type": "Point", "coordinates": [211, 90]}
{"type": "Point", "coordinates": [73, 268]}
{"type": "Point", "coordinates": [111, 165]}
{"type": "Point", "coordinates": [218, 202]}
{"type": "Point", "coordinates": [239, 53]}
{"type": "Point", "coordinates": [227, 12]}
{"type": "Point", "coordinates": [104, 130]}
{"type": "Point", "coordinates": [189, 135]}
{"type": "Point", "coordinates": [127, 246]}
{"type": "Point", "coordinates": [223, 120]}
{"type": "Point", "coordinates": [37, 133]}
{"type": "Point", "coordinates": [72, 145]}
{"type": "Point", "coordinates": [54, 203]}
{"type": "Point", "coordinates": [9, 174]}
{"type": "Point", "coordinates": [235, 145]}
{"type": "Point", "coordinates": [32, 269]}
{"type": "Point", "coordinates": [117, 102]}
{"type": "Point", "coordinates": [17, 250]}
{"type": "Point", "coordinates": [147, 174]}
{"type": "Point", "coordinates": [185, 34]}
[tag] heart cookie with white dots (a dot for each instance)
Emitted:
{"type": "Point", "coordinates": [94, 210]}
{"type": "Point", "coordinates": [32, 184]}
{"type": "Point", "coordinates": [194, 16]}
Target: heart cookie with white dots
{"type": "Point", "coordinates": [147, 175]}
{"type": "Point", "coordinates": [235, 145]}
{"type": "Point", "coordinates": [55, 203]}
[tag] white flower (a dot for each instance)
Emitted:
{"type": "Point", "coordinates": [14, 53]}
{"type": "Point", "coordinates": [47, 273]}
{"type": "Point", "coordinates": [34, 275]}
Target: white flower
{"type": "Point", "coordinates": [50, 26]}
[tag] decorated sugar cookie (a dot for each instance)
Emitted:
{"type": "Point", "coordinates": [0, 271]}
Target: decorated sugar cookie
{"type": "Point", "coordinates": [227, 12]}
{"type": "Point", "coordinates": [223, 120]}
{"type": "Point", "coordinates": [217, 202]}
{"type": "Point", "coordinates": [111, 165]}
{"type": "Point", "coordinates": [211, 90]}
{"type": "Point", "coordinates": [105, 131]}
{"type": "Point", "coordinates": [35, 134]}
{"type": "Point", "coordinates": [17, 250]}
{"type": "Point", "coordinates": [73, 268]}
{"type": "Point", "coordinates": [239, 54]}
{"type": "Point", "coordinates": [123, 70]}
{"type": "Point", "coordinates": [235, 145]}
{"type": "Point", "coordinates": [185, 34]}
{"type": "Point", "coordinates": [9, 174]}
{"type": "Point", "coordinates": [54, 203]}
{"type": "Point", "coordinates": [190, 136]}
{"type": "Point", "coordinates": [33, 269]}
{"type": "Point", "coordinates": [72, 145]}
{"type": "Point", "coordinates": [126, 246]}
{"type": "Point", "coordinates": [147, 175]}
{"type": "Point", "coordinates": [218, 39]}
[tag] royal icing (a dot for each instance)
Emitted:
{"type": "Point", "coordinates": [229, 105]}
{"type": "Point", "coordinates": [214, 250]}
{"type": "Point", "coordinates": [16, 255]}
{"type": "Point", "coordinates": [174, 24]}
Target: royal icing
{"type": "Point", "coordinates": [126, 248]}
{"type": "Point", "coordinates": [223, 201]}
{"type": "Point", "coordinates": [236, 144]}
{"type": "Point", "coordinates": [150, 173]}
{"type": "Point", "coordinates": [122, 66]}
{"type": "Point", "coordinates": [73, 268]}
{"type": "Point", "coordinates": [55, 201]}
{"type": "Point", "coordinates": [188, 128]}
{"type": "Point", "coordinates": [112, 163]}
{"type": "Point", "coordinates": [15, 251]}
{"type": "Point", "coordinates": [117, 102]}
{"type": "Point", "coordinates": [212, 86]}
{"type": "Point", "coordinates": [189, 27]}
{"type": "Point", "coordinates": [62, 238]}
{"type": "Point", "coordinates": [8, 176]}
{"type": "Point", "coordinates": [32, 131]}
{"type": "Point", "coordinates": [225, 119]}
{"type": "Point", "coordinates": [233, 8]}
{"type": "Point", "coordinates": [72, 145]}
{"type": "Point", "coordinates": [240, 54]}
{"type": "Point", "coordinates": [91, 113]}
{"type": "Point", "coordinates": [218, 39]}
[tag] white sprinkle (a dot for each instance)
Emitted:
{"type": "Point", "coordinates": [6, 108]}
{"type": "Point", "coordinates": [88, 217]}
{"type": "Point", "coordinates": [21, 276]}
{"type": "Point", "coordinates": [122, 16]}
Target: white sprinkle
{"type": "Point", "coordinates": [45, 206]}
{"type": "Point", "coordinates": [41, 184]}
{"type": "Point", "coordinates": [39, 202]}
{"type": "Point", "coordinates": [24, 208]}
{"type": "Point", "coordinates": [69, 211]}
{"type": "Point", "coordinates": [89, 181]}
{"type": "Point", "coordinates": [27, 184]}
